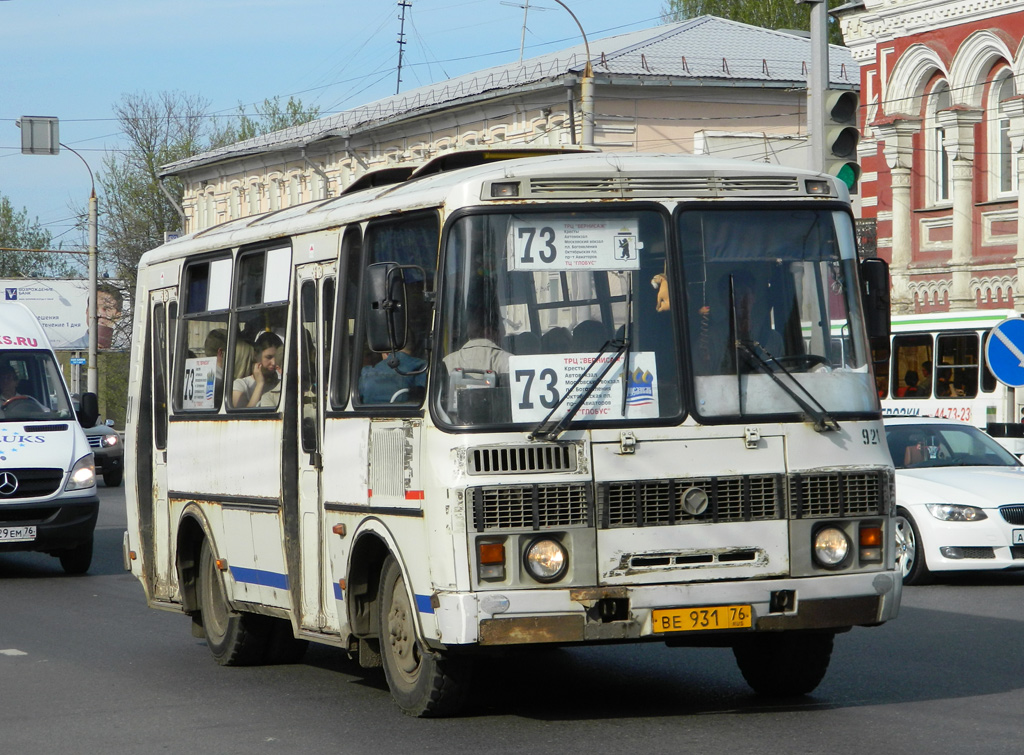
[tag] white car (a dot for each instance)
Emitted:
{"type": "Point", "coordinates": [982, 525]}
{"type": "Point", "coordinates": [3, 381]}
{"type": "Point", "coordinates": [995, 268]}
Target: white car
{"type": "Point", "coordinates": [959, 498]}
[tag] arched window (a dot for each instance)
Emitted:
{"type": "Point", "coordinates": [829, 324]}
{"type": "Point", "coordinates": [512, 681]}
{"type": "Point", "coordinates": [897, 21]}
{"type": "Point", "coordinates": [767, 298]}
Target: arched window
{"type": "Point", "coordinates": [938, 159]}
{"type": "Point", "coordinates": [1001, 168]}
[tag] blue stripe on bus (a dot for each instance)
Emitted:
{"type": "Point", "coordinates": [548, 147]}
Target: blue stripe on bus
{"type": "Point", "coordinates": [423, 604]}
{"type": "Point", "coordinates": [339, 594]}
{"type": "Point", "coordinates": [259, 577]}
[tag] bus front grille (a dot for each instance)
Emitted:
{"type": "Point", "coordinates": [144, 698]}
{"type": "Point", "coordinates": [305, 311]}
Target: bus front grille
{"type": "Point", "coordinates": [813, 496]}
{"type": "Point", "coordinates": [650, 503]}
{"type": "Point", "coordinates": [527, 459]}
{"type": "Point", "coordinates": [507, 507]}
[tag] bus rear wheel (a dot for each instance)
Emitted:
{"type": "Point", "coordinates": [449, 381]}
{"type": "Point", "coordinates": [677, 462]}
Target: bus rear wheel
{"type": "Point", "coordinates": [423, 682]}
{"type": "Point", "coordinates": [784, 664]}
{"type": "Point", "coordinates": [235, 639]}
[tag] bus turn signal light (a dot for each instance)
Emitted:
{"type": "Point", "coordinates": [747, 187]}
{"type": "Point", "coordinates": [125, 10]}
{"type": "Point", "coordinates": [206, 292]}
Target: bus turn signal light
{"type": "Point", "coordinates": [871, 543]}
{"type": "Point", "coordinates": [491, 560]}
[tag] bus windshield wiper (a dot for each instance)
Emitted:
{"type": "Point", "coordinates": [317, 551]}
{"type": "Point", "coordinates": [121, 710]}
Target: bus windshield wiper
{"type": "Point", "coordinates": [823, 421]}
{"type": "Point", "coordinates": [543, 431]}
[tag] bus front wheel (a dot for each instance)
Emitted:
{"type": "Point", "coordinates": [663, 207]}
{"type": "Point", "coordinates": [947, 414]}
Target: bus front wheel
{"type": "Point", "coordinates": [423, 682]}
{"type": "Point", "coordinates": [235, 639]}
{"type": "Point", "coordinates": [784, 664]}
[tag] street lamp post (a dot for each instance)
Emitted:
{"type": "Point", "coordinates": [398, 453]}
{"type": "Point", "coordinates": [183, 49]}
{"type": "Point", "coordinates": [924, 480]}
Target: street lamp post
{"type": "Point", "coordinates": [39, 136]}
{"type": "Point", "coordinates": [586, 88]}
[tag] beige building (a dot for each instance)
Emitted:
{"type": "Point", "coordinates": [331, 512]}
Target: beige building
{"type": "Point", "coordinates": [705, 86]}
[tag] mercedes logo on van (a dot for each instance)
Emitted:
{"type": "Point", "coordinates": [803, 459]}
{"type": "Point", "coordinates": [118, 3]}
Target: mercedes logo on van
{"type": "Point", "coordinates": [8, 483]}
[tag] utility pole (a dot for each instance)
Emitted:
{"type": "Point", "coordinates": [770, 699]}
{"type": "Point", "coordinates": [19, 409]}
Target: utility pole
{"type": "Point", "coordinates": [401, 42]}
{"type": "Point", "coordinates": [817, 82]}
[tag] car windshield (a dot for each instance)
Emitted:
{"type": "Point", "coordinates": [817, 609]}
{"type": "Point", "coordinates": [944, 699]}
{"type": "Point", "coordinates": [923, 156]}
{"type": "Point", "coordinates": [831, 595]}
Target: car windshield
{"type": "Point", "coordinates": [934, 445]}
{"type": "Point", "coordinates": [31, 387]}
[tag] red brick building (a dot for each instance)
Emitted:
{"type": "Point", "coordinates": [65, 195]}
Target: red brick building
{"type": "Point", "coordinates": [942, 159]}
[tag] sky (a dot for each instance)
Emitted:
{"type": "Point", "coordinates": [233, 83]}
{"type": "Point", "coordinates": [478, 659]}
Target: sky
{"type": "Point", "coordinates": [74, 60]}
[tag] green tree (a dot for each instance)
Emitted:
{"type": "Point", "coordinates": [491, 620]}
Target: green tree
{"type": "Point", "coordinates": [770, 14]}
{"type": "Point", "coordinates": [270, 116]}
{"type": "Point", "coordinates": [20, 239]}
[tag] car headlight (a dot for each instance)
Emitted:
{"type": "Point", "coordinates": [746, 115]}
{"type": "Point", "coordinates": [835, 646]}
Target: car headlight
{"type": "Point", "coordinates": [831, 547]}
{"type": "Point", "coordinates": [111, 440]}
{"type": "Point", "coordinates": [955, 512]}
{"type": "Point", "coordinates": [83, 474]}
{"type": "Point", "coordinates": [546, 560]}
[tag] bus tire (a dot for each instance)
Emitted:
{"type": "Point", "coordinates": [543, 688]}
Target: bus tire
{"type": "Point", "coordinates": [234, 639]}
{"type": "Point", "coordinates": [76, 560]}
{"type": "Point", "coordinates": [423, 682]}
{"type": "Point", "coordinates": [784, 664]}
{"type": "Point", "coordinates": [910, 551]}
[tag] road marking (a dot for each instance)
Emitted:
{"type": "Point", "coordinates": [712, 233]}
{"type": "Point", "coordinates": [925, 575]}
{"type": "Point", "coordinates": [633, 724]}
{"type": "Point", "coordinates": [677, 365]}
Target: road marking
{"type": "Point", "coordinates": [12, 651]}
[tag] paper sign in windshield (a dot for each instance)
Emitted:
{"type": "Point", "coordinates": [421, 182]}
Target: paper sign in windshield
{"type": "Point", "coordinates": [542, 242]}
{"type": "Point", "coordinates": [540, 381]}
{"type": "Point", "coordinates": [199, 384]}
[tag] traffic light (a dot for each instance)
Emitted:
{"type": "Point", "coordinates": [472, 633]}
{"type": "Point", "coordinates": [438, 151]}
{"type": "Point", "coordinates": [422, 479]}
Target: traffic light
{"type": "Point", "coordinates": [842, 136]}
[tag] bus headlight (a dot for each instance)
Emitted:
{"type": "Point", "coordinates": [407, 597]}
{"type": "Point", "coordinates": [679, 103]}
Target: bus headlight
{"type": "Point", "coordinates": [83, 474]}
{"type": "Point", "coordinates": [546, 560]}
{"type": "Point", "coordinates": [831, 547]}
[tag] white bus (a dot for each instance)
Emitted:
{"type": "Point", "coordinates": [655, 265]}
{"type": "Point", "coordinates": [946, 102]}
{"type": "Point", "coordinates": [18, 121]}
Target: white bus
{"type": "Point", "coordinates": [937, 368]}
{"type": "Point", "coordinates": [543, 400]}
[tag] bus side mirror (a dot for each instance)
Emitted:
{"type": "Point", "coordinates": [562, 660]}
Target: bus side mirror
{"type": "Point", "coordinates": [874, 280]}
{"type": "Point", "coordinates": [88, 410]}
{"type": "Point", "coordinates": [386, 317]}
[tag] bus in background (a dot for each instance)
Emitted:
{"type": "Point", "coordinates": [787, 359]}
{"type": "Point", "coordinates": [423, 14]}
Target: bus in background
{"type": "Point", "coordinates": [937, 368]}
{"type": "Point", "coordinates": [577, 398]}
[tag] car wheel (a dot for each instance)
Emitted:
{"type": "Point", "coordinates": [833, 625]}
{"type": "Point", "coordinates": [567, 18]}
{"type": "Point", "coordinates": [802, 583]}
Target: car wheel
{"type": "Point", "coordinates": [784, 664]}
{"type": "Point", "coordinates": [113, 479]}
{"type": "Point", "coordinates": [910, 551]}
{"type": "Point", "coordinates": [235, 639]}
{"type": "Point", "coordinates": [423, 682]}
{"type": "Point", "coordinates": [78, 559]}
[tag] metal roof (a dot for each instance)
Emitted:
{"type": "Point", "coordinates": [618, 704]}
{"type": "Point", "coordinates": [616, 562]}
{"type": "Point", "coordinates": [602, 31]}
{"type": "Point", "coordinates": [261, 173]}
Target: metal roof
{"type": "Point", "coordinates": [704, 50]}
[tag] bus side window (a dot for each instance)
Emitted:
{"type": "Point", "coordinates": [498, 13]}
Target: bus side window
{"type": "Point", "coordinates": [199, 375]}
{"type": "Point", "coordinates": [912, 366]}
{"type": "Point", "coordinates": [348, 310]}
{"type": "Point", "coordinates": [956, 373]}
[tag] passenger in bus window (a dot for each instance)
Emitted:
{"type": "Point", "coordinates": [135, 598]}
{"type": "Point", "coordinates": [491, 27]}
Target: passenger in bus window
{"type": "Point", "coordinates": [480, 352]}
{"type": "Point", "coordinates": [216, 345]}
{"type": "Point", "coordinates": [382, 383]}
{"type": "Point", "coordinates": [909, 387]}
{"type": "Point", "coordinates": [263, 386]}
{"type": "Point", "coordinates": [924, 388]}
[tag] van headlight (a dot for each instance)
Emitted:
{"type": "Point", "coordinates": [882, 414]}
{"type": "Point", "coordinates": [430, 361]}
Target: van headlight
{"type": "Point", "coordinates": [83, 474]}
{"type": "Point", "coordinates": [546, 560]}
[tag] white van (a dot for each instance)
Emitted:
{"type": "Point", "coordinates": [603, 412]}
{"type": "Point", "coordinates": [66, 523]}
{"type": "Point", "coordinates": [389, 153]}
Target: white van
{"type": "Point", "coordinates": [48, 498]}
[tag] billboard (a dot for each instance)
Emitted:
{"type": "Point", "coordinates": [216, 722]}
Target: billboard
{"type": "Point", "coordinates": [61, 306]}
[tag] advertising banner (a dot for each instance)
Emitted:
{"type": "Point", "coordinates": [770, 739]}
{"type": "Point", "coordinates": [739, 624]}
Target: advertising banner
{"type": "Point", "coordinates": [61, 306]}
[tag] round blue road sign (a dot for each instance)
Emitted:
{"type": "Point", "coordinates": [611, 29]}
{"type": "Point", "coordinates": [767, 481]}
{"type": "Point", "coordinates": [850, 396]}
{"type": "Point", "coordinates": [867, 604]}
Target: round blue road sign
{"type": "Point", "coordinates": [1005, 352]}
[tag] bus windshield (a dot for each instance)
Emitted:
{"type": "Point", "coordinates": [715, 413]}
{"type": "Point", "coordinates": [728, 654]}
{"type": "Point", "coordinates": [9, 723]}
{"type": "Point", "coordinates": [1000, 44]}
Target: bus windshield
{"type": "Point", "coordinates": [773, 313]}
{"type": "Point", "coordinates": [540, 311]}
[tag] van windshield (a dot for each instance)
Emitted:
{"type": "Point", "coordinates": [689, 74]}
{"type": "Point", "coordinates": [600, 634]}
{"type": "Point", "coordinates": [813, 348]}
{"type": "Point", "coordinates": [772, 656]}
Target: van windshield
{"type": "Point", "coordinates": [31, 387]}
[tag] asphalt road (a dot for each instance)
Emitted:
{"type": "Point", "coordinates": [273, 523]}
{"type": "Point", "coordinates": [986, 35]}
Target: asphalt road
{"type": "Point", "coordinates": [86, 667]}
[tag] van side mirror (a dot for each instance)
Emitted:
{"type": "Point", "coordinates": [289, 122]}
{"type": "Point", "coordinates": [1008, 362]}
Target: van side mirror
{"type": "Point", "coordinates": [88, 410]}
{"type": "Point", "coordinates": [874, 280]}
{"type": "Point", "coordinates": [386, 312]}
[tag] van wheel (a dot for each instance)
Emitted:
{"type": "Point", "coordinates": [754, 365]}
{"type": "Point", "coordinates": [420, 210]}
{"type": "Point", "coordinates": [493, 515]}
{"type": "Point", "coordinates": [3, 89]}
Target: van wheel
{"type": "Point", "coordinates": [235, 639]}
{"type": "Point", "coordinates": [784, 664]}
{"type": "Point", "coordinates": [78, 559]}
{"type": "Point", "coordinates": [423, 682]}
{"type": "Point", "coordinates": [113, 479]}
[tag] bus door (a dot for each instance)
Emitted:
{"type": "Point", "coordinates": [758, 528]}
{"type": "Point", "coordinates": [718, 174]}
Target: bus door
{"type": "Point", "coordinates": [153, 471]}
{"type": "Point", "coordinates": [316, 291]}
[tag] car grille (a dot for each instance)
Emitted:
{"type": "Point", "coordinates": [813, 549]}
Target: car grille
{"type": "Point", "coordinates": [33, 483]}
{"type": "Point", "coordinates": [1013, 514]}
{"type": "Point", "coordinates": [95, 441]}
{"type": "Point", "coordinates": [650, 503]}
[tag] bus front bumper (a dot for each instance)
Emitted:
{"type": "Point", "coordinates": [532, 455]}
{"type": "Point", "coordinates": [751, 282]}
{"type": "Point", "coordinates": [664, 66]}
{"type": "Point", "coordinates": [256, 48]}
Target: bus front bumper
{"type": "Point", "coordinates": [598, 614]}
